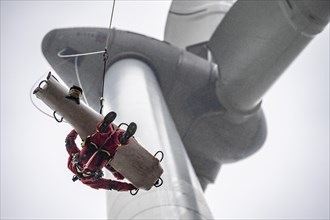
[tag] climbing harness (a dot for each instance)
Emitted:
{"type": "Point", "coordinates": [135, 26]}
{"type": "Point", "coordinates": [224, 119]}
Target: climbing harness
{"type": "Point", "coordinates": [92, 176]}
{"type": "Point", "coordinates": [107, 139]}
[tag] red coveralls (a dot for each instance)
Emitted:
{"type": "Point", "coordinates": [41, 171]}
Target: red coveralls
{"type": "Point", "coordinates": [87, 163]}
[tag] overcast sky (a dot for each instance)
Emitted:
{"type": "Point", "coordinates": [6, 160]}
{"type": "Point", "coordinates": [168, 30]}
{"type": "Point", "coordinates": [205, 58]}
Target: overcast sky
{"type": "Point", "coordinates": [287, 179]}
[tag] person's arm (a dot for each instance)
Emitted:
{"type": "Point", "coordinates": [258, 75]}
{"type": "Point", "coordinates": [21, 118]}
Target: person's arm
{"type": "Point", "coordinates": [120, 186]}
{"type": "Point", "coordinates": [70, 144]}
{"type": "Point", "coordinates": [71, 148]}
{"type": "Point", "coordinates": [114, 172]}
{"type": "Point", "coordinates": [109, 184]}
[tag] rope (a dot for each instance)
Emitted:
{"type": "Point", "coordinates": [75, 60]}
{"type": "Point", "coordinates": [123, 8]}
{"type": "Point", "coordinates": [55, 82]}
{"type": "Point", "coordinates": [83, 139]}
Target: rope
{"type": "Point", "coordinates": [112, 12]}
{"type": "Point", "coordinates": [105, 57]}
{"type": "Point", "coordinates": [78, 77]}
{"type": "Point", "coordinates": [59, 54]}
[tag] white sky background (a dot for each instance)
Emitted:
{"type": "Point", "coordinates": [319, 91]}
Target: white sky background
{"type": "Point", "coordinates": [287, 179]}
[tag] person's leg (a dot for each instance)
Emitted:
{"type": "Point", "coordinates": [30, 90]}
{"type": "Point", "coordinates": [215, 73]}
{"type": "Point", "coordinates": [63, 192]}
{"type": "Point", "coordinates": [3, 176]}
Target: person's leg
{"type": "Point", "coordinates": [107, 120]}
{"type": "Point", "coordinates": [130, 131]}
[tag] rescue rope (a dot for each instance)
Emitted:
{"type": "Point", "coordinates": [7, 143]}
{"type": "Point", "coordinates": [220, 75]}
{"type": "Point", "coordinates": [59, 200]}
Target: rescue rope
{"type": "Point", "coordinates": [112, 12]}
{"type": "Point", "coordinates": [59, 54]}
{"type": "Point", "coordinates": [105, 58]}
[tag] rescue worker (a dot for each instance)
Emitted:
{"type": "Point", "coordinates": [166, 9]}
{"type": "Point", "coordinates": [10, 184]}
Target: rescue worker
{"type": "Point", "coordinates": [97, 150]}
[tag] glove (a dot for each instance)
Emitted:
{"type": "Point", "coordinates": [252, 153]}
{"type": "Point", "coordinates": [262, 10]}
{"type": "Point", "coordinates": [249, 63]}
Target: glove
{"type": "Point", "coordinates": [120, 186]}
{"type": "Point", "coordinates": [118, 176]}
{"type": "Point", "coordinates": [126, 187]}
{"type": "Point", "coordinates": [73, 133]}
{"type": "Point", "coordinates": [70, 138]}
{"type": "Point", "coordinates": [131, 187]}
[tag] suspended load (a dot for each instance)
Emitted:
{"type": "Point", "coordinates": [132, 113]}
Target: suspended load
{"type": "Point", "coordinates": [133, 161]}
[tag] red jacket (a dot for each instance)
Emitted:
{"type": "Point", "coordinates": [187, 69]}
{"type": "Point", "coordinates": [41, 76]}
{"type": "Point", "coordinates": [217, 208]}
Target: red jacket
{"type": "Point", "coordinates": [87, 163]}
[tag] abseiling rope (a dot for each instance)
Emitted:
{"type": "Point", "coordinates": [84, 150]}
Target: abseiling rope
{"type": "Point", "coordinates": [112, 12]}
{"type": "Point", "coordinates": [59, 54]}
{"type": "Point", "coordinates": [105, 57]}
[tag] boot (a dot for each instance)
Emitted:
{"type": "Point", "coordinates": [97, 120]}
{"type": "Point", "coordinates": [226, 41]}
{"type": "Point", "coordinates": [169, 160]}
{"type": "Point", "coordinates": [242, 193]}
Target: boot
{"type": "Point", "coordinates": [108, 119]}
{"type": "Point", "coordinates": [131, 129]}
